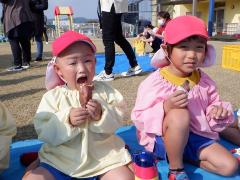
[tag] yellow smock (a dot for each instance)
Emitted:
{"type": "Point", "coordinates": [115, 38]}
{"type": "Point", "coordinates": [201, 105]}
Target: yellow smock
{"type": "Point", "coordinates": [86, 151]}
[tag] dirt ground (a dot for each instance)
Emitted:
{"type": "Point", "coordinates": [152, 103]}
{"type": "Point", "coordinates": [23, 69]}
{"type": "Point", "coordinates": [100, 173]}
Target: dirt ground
{"type": "Point", "coordinates": [21, 91]}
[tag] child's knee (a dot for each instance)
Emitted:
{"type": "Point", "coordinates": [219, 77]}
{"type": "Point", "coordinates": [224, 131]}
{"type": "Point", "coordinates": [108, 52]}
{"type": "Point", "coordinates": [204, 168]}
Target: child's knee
{"type": "Point", "coordinates": [38, 173]}
{"type": "Point", "coordinates": [179, 118]}
{"type": "Point", "coordinates": [229, 167]}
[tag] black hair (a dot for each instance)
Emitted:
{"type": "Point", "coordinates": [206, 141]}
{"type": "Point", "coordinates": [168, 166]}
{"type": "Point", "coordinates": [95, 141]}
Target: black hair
{"type": "Point", "coordinates": [149, 26]}
{"type": "Point", "coordinates": [164, 14]}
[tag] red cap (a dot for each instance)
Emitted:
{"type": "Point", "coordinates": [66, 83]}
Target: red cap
{"type": "Point", "coordinates": [68, 38]}
{"type": "Point", "coordinates": [183, 27]}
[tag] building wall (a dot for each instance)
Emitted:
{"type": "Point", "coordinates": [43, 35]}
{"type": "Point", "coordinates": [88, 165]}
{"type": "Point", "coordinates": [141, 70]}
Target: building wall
{"type": "Point", "coordinates": [154, 14]}
{"type": "Point", "coordinates": [232, 11]}
{"type": "Point", "coordinates": [231, 19]}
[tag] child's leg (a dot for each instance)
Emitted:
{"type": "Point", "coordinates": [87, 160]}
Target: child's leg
{"type": "Point", "coordinates": [120, 173]}
{"type": "Point", "coordinates": [232, 133]}
{"type": "Point", "coordinates": [175, 135]}
{"type": "Point", "coordinates": [39, 173]}
{"type": "Point", "coordinates": [217, 159]}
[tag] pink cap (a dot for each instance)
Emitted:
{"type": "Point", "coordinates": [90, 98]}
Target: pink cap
{"type": "Point", "coordinates": [64, 41]}
{"type": "Point", "coordinates": [68, 38]}
{"type": "Point", "coordinates": [183, 27]}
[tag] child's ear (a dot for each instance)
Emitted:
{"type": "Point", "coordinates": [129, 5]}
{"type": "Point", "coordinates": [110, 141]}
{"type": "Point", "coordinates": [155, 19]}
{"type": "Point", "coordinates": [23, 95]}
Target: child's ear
{"type": "Point", "coordinates": [57, 70]}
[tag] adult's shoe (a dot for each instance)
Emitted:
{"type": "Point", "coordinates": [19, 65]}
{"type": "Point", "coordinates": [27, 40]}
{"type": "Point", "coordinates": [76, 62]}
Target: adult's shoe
{"type": "Point", "coordinates": [102, 76]}
{"type": "Point", "coordinates": [132, 71]}
{"type": "Point", "coordinates": [38, 59]}
{"type": "Point", "coordinates": [26, 66]}
{"type": "Point", "coordinates": [15, 68]}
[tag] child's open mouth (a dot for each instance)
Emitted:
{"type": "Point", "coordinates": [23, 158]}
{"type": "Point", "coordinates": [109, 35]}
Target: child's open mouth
{"type": "Point", "coordinates": [82, 80]}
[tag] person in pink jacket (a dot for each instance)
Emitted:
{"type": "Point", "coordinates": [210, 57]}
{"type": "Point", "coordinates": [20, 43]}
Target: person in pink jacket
{"type": "Point", "coordinates": [178, 111]}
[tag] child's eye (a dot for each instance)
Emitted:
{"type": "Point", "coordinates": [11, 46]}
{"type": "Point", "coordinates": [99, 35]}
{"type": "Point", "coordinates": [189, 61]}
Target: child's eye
{"type": "Point", "coordinates": [72, 63]}
{"type": "Point", "coordinates": [88, 61]}
{"type": "Point", "coordinates": [201, 47]}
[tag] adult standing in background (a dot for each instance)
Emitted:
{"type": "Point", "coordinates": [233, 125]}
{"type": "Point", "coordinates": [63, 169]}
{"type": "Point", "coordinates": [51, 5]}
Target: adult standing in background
{"type": "Point", "coordinates": [38, 7]}
{"type": "Point", "coordinates": [110, 20]}
{"type": "Point", "coordinates": [163, 19]}
{"type": "Point", "coordinates": [17, 20]}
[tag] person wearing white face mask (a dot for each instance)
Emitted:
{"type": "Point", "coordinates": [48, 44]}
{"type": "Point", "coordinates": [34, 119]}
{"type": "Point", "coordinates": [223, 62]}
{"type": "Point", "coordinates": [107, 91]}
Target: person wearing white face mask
{"type": "Point", "coordinates": [154, 35]}
{"type": "Point", "coordinates": [163, 19]}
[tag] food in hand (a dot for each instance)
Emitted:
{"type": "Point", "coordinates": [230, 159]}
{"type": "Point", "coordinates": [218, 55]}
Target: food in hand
{"type": "Point", "coordinates": [185, 86]}
{"type": "Point", "coordinates": [85, 94]}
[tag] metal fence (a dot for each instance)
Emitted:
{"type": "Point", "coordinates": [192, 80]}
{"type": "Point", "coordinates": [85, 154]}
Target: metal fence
{"type": "Point", "coordinates": [227, 29]}
{"type": "Point", "coordinates": [92, 30]}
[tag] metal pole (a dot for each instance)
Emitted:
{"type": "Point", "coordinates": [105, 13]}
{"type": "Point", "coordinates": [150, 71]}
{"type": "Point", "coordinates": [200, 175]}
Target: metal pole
{"type": "Point", "coordinates": [194, 8]}
{"type": "Point", "coordinates": [210, 17]}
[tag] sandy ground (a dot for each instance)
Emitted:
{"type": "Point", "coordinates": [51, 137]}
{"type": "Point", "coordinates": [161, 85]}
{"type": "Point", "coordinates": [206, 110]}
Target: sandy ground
{"type": "Point", "coordinates": [21, 92]}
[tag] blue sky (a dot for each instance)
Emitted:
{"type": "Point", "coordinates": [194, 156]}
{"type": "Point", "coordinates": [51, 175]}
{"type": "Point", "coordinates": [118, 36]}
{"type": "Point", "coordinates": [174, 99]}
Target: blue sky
{"type": "Point", "coordinates": [81, 8]}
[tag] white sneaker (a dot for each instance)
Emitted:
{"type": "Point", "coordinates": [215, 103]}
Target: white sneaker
{"type": "Point", "coordinates": [26, 66]}
{"type": "Point", "coordinates": [15, 68]}
{"type": "Point", "coordinates": [102, 76]}
{"type": "Point", "coordinates": [132, 71]}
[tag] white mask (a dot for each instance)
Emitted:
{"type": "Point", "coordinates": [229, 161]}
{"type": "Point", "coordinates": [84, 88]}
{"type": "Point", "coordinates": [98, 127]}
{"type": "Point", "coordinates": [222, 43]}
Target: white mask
{"type": "Point", "coordinates": [161, 22]}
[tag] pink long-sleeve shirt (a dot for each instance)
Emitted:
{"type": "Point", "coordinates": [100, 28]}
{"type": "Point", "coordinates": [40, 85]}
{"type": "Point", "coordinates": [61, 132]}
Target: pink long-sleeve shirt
{"type": "Point", "coordinates": [148, 113]}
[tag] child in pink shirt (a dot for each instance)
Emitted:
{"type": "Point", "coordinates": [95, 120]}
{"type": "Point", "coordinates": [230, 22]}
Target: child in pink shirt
{"type": "Point", "coordinates": [178, 110]}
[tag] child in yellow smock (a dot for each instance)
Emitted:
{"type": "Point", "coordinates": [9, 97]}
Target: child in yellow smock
{"type": "Point", "coordinates": [77, 118]}
{"type": "Point", "coordinates": [7, 131]}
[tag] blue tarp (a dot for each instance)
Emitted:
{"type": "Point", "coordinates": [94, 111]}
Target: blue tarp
{"type": "Point", "coordinates": [122, 63]}
{"type": "Point", "coordinates": [128, 134]}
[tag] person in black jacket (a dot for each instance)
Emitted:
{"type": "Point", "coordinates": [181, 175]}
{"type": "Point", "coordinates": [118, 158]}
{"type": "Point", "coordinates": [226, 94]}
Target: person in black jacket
{"type": "Point", "coordinates": [17, 19]}
{"type": "Point", "coordinates": [38, 7]}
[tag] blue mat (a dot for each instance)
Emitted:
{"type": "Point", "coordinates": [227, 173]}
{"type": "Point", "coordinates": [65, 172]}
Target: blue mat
{"type": "Point", "coordinates": [128, 134]}
{"type": "Point", "coordinates": [122, 64]}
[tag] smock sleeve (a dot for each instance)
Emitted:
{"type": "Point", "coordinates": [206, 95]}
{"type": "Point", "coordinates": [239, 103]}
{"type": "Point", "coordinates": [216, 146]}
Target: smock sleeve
{"type": "Point", "coordinates": [214, 100]}
{"type": "Point", "coordinates": [148, 112]}
{"type": "Point", "coordinates": [51, 122]}
{"type": "Point", "coordinates": [7, 131]}
{"type": "Point", "coordinates": [113, 109]}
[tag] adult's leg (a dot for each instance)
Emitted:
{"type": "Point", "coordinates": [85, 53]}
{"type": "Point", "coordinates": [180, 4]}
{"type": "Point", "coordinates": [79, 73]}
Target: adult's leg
{"type": "Point", "coordinates": [45, 34]}
{"type": "Point", "coordinates": [122, 42]}
{"type": "Point", "coordinates": [16, 51]}
{"type": "Point", "coordinates": [39, 43]}
{"type": "Point", "coordinates": [156, 44]}
{"type": "Point", "coordinates": [108, 40]}
{"type": "Point", "coordinates": [26, 49]}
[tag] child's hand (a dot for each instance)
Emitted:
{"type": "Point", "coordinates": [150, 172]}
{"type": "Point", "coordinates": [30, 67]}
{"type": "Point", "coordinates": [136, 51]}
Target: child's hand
{"type": "Point", "coordinates": [177, 100]}
{"type": "Point", "coordinates": [94, 108]}
{"type": "Point", "coordinates": [218, 112]}
{"type": "Point", "coordinates": [78, 116]}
